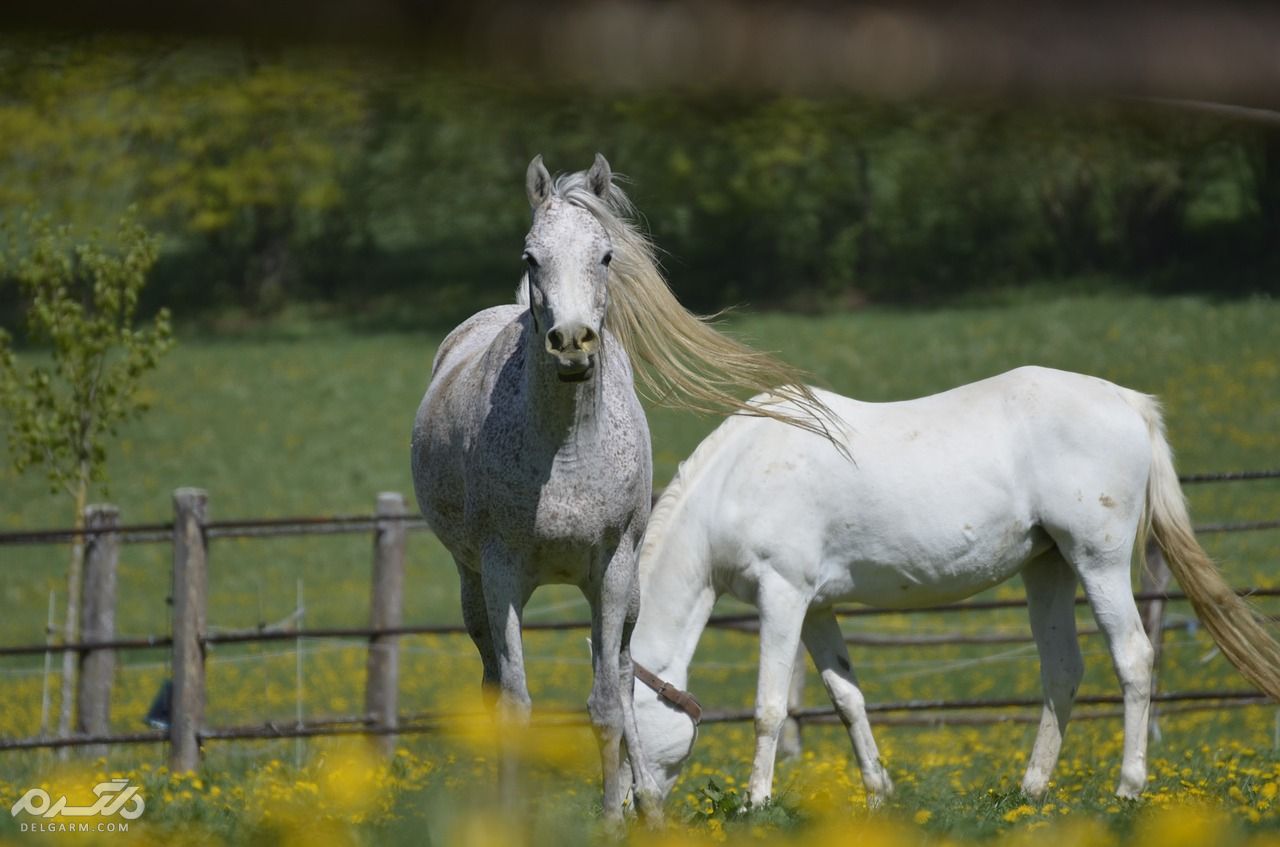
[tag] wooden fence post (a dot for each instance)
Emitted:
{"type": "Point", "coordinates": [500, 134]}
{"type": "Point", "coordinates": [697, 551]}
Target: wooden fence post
{"type": "Point", "coordinates": [190, 584]}
{"type": "Point", "coordinates": [381, 693]}
{"type": "Point", "coordinates": [1155, 577]}
{"type": "Point", "coordinates": [98, 623]}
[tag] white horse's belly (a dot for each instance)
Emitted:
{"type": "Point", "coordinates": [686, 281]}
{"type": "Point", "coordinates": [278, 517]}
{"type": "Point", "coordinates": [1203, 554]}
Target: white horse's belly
{"type": "Point", "coordinates": [911, 579]}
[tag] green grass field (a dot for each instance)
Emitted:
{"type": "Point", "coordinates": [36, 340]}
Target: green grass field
{"type": "Point", "coordinates": [315, 419]}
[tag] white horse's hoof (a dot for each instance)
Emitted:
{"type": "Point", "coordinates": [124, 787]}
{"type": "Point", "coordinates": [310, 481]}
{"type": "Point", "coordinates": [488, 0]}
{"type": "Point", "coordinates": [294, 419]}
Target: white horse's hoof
{"type": "Point", "coordinates": [1132, 783]}
{"type": "Point", "coordinates": [1035, 787]}
{"type": "Point", "coordinates": [879, 790]}
{"type": "Point", "coordinates": [1128, 792]}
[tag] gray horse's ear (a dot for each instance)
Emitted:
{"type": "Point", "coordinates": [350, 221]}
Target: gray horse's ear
{"type": "Point", "coordinates": [537, 182]}
{"type": "Point", "coordinates": [600, 176]}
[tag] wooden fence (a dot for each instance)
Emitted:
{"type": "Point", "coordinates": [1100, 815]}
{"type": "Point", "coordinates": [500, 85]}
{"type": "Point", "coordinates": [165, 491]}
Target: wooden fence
{"type": "Point", "coordinates": [190, 534]}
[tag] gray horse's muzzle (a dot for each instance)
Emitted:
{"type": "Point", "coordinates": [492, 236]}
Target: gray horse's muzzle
{"type": "Point", "coordinates": [574, 347]}
{"type": "Point", "coordinates": [575, 372]}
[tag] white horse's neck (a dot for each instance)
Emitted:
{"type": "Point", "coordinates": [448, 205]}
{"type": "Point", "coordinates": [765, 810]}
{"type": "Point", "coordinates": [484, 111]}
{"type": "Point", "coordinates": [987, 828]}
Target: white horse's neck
{"type": "Point", "coordinates": [677, 594]}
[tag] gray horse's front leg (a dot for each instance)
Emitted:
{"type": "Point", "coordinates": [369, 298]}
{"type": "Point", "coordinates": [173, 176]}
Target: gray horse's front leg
{"type": "Point", "coordinates": [506, 591]}
{"type": "Point", "coordinates": [613, 613]}
{"type": "Point", "coordinates": [648, 796]}
{"type": "Point", "coordinates": [475, 616]}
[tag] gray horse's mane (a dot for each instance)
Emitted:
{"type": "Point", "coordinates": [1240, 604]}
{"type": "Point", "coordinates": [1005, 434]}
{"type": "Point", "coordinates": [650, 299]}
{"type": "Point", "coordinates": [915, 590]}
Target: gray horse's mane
{"type": "Point", "coordinates": [680, 360]}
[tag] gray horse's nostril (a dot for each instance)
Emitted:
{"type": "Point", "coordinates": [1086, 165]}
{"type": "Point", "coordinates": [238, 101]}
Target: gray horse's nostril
{"type": "Point", "coordinates": [585, 339]}
{"type": "Point", "coordinates": [573, 338]}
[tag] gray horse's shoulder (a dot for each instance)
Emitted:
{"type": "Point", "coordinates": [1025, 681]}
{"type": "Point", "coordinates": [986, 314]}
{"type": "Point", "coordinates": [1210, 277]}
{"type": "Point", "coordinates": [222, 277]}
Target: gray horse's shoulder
{"type": "Point", "coordinates": [476, 332]}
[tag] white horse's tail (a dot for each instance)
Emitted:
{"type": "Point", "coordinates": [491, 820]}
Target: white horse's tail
{"type": "Point", "coordinates": [1240, 631]}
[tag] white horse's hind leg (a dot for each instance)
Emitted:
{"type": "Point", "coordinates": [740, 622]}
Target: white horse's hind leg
{"type": "Point", "coordinates": [782, 611]}
{"type": "Point", "coordinates": [1051, 592]}
{"type": "Point", "coordinates": [825, 641]}
{"type": "Point", "coordinates": [1105, 577]}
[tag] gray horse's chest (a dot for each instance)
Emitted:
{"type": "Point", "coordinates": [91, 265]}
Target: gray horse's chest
{"type": "Point", "coordinates": [561, 496]}
{"type": "Point", "coordinates": [556, 476]}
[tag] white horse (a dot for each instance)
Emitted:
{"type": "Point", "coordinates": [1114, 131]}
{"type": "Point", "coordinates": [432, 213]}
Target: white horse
{"type": "Point", "coordinates": [1052, 475]}
{"type": "Point", "coordinates": [531, 456]}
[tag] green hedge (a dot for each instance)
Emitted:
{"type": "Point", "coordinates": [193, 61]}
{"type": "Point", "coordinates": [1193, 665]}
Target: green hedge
{"type": "Point", "coordinates": [296, 175]}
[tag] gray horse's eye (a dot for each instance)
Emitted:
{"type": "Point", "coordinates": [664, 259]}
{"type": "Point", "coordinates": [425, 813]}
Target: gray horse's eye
{"type": "Point", "coordinates": [608, 257]}
{"type": "Point", "coordinates": [529, 259]}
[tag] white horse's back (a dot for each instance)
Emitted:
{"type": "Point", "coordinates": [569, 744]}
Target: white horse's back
{"type": "Point", "coordinates": [946, 495]}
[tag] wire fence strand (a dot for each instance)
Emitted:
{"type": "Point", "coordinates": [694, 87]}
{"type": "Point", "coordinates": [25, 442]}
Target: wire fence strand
{"type": "Point", "coordinates": [447, 723]}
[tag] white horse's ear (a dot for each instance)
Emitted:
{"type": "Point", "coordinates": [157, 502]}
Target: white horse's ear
{"type": "Point", "coordinates": [600, 177]}
{"type": "Point", "coordinates": [591, 649]}
{"type": "Point", "coordinates": [537, 182]}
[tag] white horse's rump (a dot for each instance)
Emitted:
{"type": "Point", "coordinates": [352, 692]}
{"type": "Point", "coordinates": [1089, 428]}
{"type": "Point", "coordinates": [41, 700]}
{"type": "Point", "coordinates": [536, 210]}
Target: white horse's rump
{"type": "Point", "coordinates": [1039, 472]}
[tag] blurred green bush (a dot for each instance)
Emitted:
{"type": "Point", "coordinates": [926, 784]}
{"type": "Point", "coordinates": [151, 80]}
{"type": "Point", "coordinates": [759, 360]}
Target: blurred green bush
{"type": "Point", "coordinates": [386, 189]}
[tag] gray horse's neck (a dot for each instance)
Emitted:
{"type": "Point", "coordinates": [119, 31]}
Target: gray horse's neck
{"type": "Point", "coordinates": [568, 412]}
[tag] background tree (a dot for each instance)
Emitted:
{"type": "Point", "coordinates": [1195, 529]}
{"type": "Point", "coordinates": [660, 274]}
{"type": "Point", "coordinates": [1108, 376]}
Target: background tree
{"type": "Point", "coordinates": [377, 188]}
{"type": "Point", "coordinates": [246, 153]}
{"type": "Point", "coordinates": [59, 413]}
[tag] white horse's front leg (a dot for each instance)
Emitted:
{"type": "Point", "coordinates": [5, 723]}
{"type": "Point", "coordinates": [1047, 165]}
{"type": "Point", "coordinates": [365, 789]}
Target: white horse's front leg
{"type": "Point", "coordinates": [782, 611]}
{"type": "Point", "coordinates": [506, 591]}
{"type": "Point", "coordinates": [825, 641]}
{"type": "Point", "coordinates": [790, 743]}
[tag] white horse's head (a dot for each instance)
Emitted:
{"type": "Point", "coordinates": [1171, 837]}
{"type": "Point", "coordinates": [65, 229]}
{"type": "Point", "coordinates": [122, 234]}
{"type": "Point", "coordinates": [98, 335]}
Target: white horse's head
{"type": "Point", "coordinates": [666, 740]}
{"type": "Point", "coordinates": [567, 253]}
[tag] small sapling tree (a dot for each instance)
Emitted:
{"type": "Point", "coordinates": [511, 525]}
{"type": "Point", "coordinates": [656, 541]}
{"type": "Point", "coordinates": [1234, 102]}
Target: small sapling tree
{"type": "Point", "coordinates": [59, 410]}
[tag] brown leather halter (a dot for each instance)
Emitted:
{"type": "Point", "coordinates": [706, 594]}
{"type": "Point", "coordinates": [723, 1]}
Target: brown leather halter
{"type": "Point", "coordinates": [682, 700]}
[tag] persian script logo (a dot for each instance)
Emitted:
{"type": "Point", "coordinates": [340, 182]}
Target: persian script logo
{"type": "Point", "coordinates": [115, 797]}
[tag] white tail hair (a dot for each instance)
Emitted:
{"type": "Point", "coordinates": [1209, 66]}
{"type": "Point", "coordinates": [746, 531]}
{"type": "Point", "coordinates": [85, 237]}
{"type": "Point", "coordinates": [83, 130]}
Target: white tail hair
{"type": "Point", "coordinates": [1239, 630]}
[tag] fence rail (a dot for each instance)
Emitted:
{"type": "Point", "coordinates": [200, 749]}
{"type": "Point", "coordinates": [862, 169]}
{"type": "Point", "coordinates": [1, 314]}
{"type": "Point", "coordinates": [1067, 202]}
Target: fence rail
{"type": "Point", "coordinates": [746, 621]}
{"type": "Point", "coordinates": [191, 532]}
{"type": "Point", "coordinates": [338, 524]}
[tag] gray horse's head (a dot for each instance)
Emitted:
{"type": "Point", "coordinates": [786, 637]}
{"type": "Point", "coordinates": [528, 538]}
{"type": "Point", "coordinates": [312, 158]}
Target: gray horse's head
{"type": "Point", "coordinates": [567, 254]}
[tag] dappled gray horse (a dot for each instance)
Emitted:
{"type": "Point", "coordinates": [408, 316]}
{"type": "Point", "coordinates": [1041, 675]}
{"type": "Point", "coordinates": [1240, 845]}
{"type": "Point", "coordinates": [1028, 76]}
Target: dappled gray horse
{"type": "Point", "coordinates": [531, 456]}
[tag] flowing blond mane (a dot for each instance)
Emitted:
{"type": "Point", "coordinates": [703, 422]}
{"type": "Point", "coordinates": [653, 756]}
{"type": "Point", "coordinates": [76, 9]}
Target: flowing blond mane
{"type": "Point", "coordinates": [680, 360]}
